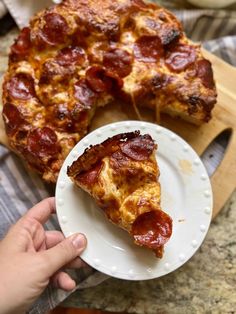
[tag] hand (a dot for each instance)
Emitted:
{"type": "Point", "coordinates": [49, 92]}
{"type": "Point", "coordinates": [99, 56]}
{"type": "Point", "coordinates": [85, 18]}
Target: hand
{"type": "Point", "coordinates": [30, 257]}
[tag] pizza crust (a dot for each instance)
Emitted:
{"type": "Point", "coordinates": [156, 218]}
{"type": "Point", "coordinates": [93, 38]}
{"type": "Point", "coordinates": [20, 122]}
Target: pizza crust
{"type": "Point", "coordinates": [74, 59]}
{"type": "Point", "coordinates": [121, 174]}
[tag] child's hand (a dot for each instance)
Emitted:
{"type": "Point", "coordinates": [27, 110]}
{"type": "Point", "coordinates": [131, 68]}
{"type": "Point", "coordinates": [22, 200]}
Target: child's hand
{"type": "Point", "coordinates": [31, 256]}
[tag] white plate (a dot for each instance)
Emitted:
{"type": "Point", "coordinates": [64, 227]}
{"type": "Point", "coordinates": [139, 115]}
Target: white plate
{"type": "Point", "coordinates": [186, 197]}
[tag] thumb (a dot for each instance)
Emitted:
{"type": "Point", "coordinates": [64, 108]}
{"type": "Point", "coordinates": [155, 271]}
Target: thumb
{"type": "Point", "coordinates": [64, 252]}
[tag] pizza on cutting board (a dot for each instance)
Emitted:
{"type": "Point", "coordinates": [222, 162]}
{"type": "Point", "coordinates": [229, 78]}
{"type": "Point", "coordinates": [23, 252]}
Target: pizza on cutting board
{"type": "Point", "coordinates": [80, 55]}
{"type": "Point", "coordinates": [122, 174]}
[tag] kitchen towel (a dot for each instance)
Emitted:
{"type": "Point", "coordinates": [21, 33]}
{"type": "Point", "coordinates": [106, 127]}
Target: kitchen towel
{"type": "Point", "coordinates": [20, 190]}
{"type": "Point", "coordinates": [3, 9]}
{"type": "Point", "coordinates": [22, 10]}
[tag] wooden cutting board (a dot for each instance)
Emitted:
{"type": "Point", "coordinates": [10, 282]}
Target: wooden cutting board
{"type": "Point", "coordinates": [224, 117]}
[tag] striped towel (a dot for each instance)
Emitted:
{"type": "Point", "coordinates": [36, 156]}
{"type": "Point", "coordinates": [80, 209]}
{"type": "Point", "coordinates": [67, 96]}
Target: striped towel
{"type": "Point", "coordinates": [3, 9]}
{"type": "Point", "coordinates": [20, 190]}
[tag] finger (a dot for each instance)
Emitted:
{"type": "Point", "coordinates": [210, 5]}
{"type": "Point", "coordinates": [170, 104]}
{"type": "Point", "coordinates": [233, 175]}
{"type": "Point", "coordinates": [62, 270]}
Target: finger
{"type": "Point", "coordinates": [62, 280]}
{"type": "Point", "coordinates": [64, 252]}
{"type": "Point", "coordinates": [29, 227]}
{"type": "Point", "coordinates": [76, 264]}
{"type": "Point", "coordinates": [26, 235]}
{"type": "Point", "coordinates": [52, 238]}
{"type": "Point", "coordinates": [43, 210]}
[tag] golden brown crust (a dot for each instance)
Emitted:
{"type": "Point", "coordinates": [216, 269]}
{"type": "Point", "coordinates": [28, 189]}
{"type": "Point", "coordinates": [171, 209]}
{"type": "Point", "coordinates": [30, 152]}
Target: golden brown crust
{"type": "Point", "coordinates": [121, 174]}
{"type": "Point", "coordinates": [94, 154]}
{"type": "Point", "coordinates": [81, 54]}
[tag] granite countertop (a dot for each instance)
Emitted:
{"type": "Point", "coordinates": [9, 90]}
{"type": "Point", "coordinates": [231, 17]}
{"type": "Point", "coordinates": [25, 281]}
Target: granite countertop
{"type": "Point", "coordinates": [205, 284]}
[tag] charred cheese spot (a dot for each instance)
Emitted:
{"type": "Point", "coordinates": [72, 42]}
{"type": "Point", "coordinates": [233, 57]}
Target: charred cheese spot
{"type": "Point", "coordinates": [74, 58]}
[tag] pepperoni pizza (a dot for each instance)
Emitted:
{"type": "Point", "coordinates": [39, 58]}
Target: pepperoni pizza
{"type": "Point", "coordinates": [80, 55]}
{"type": "Point", "coordinates": [121, 174]}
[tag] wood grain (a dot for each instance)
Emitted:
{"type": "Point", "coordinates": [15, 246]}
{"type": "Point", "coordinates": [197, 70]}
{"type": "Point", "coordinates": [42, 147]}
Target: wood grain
{"type": "Point", "coordinates": [199, 137]}
{"type": "Point", "coordinates": [62, 310]}
{"type": "Point", "coordinates": [224, 117]}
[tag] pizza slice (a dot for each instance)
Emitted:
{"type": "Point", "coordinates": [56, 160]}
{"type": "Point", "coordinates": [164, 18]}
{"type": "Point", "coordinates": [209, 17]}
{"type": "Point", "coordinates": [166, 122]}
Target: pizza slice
{"type": "Point", "coordinates": [121, 174]}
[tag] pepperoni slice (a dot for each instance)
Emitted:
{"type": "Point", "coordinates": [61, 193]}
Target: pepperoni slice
{"type": "Point", "coordinates": [84, 94]}
{"type": "Point", "coordinates": [13, 119]}
{"type": "Point", "coordinates": [152, 229]}
{"type": "Point", "coordinates": [42, 142]}
{"type": "Point", "coordinates": [21, 86]}
{"type": "Point", "coordinates": [139, 148]}
{"type": "Point", "coordinates": [205, 73]}
{"type": "Point", "coordinates": [118, 160]}
{"type": "Point", "coordinates": [148, 48]}
{"type": "Point", "coordinates": [55, 29]}
{"type": "Point", "coordinates": [90, 177]}
{"type": "Point", "coordinates": [22, 44]}
{"type": "Point", "coordinates": [71, 55]}
{"type": "Point", "coordinates": [102, 81]}
{"type": "Point", "coordinates": [180, 57]}
{"type": "Point", "coordinates": [118, 61]}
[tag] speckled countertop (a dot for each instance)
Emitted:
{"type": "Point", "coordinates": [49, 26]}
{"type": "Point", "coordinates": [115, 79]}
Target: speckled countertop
{"type": "Point", "coordinates": [205, 284]}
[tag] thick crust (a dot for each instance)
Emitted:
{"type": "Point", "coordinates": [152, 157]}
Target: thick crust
{"type": "Point", "coordinates": [75, 57]}
{"type": "Point", "coordinates": [96, 153]}
{"type": "Point", "coordinates": [121, 174]}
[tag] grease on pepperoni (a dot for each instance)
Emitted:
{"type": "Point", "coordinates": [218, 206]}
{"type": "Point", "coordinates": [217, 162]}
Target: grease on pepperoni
{"type": "Point", "coordinates": [42, 142]}
{"type": "Point", "coordinates": [84, 94]}
{"type": "Point", "coordinates": [90, 177]}
{"type": "Point", "coordinates": [205, 73]}
{"type": "Point", "coordinates": [21, 86]}
{"type": "Point", "coordinates": [13, 119]}
{"type": "Point", "coordinates": [152, 229]}
{"type": "Point", "coordinates": [180, 57]}
{"type": "Point", "coordinates": [101, 80]}
{"type": "Point", "coordinates": [118, 160]}
{"type": "Point", "coordinates": [139, 148]}
{"type": "Point", "coordinates": [71, 55]}
{"type": "Point", "coordinates": [55, 29]}
{"type": "Point", "coordinates": [22, 44]}
{"type": "Point", "coordinates": [148, 48]}
{"type": "Point", "coordinates": [118, 61]}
